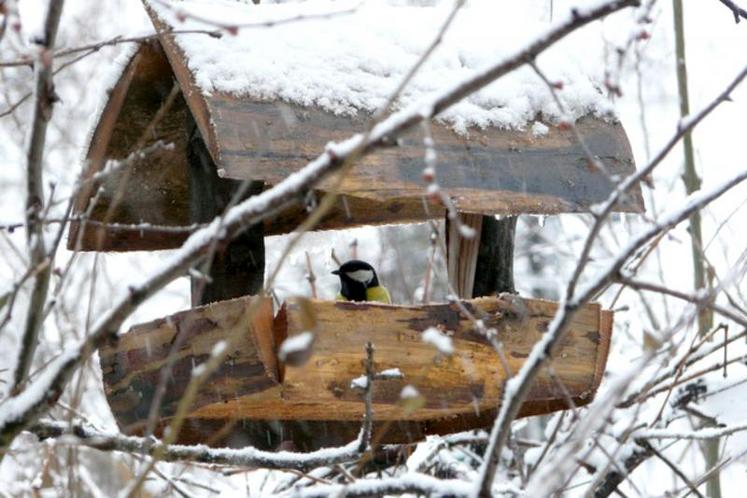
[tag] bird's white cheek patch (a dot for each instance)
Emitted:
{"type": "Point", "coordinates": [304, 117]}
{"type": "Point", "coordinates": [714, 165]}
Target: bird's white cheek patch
{"type": "Point", "coordinates": [362, 276]}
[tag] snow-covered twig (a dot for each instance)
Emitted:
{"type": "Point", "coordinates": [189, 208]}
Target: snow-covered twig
{"type": "Point", "coordinates": [518, 386]}
{"type": "Point", "coordinates": [244, 457]}
{"type": "Point", "coordinates": [117, 40]}
{"type": "Point", "coordinates": [44, 100]}
{"type": "Point", "coordinates": [233, 28]}
{"type": "Point", "coordinates": [407, 483]}
{"type": "Point", "coordinates": [709, 433]}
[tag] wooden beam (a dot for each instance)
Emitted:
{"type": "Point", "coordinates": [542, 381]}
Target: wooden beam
{"type": "Point", "coordinates": [494, 271]}
{"type": "Point", "coordinates": [482, 265]}
{"type": "Point", "coordinates": [461, 253]}
{"type": "Point", "coordinates": [492, 171]}
{"type": "Point", "coordinates": [238, 267]}
{"type": "Point", "coordinates": [133, 368]}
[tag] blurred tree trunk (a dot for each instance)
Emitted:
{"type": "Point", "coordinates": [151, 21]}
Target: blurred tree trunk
{"type": "Point", "coordinates": [692, 184]}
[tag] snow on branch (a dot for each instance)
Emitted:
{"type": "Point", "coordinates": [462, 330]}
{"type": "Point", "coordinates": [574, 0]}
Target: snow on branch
{"type": "Point", "coordinates": [244, 457]}
{"type": "Point", "coordinates": [408, 483]}
{"type": "Point", "coordinates": [518, 386]}
{"type": "Point", "coordinates": [707, 433]}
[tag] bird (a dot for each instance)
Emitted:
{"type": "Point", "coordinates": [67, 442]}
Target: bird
{"type": "Point", "coordinates": [358, 282]}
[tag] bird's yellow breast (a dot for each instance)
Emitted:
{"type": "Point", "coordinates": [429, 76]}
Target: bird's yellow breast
{"type": "Point", "coordinates": [378, 294]}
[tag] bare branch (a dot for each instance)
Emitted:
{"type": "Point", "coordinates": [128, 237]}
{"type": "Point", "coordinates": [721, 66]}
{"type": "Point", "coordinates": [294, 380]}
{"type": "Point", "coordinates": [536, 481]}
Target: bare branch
{"type": "Point", "coordinates": [117, 40]}
{"type": "Point", "coordinates": [709, 433]}
{"type": "Point", "coordinates": [44, 101]}
{"type": "Point", "coordinates": [234, 27]}
{"type": "Point", "coordinates": [704, 301]}
{"type": "Point", "coordinates": [645, 444]}
{"type": "Point", "coordinates": [739, 12]}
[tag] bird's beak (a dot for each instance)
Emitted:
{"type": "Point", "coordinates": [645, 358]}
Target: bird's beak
{"type": "Point", "coordinates": [336, 272]}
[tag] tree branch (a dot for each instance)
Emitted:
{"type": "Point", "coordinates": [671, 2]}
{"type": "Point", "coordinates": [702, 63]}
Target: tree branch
{"type": "Point", "coordinates": [518, 386]}
{"type": "Point", "coordinates": [739, 13]}
{"type": "Point", "coordinates": [44, 101]}
{"type": "Point", "coordinates": [244, 457]}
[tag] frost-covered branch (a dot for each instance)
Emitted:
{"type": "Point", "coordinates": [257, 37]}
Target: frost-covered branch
{"type": "Point", "coordinates": [44, 100]}
{"type": "Point", "coordinates": [244, 457]}
{"type": "Point", "coordinates": [602, 211]}
{"type": "Point", "coordinates": [517, 387]}
{"type": "Point", "coordinates": [407, 483]}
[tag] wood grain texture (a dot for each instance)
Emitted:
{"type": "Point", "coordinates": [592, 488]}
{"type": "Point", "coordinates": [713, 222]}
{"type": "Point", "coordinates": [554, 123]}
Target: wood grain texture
{"type": "Point", "coordinates": [152, 189]}
{"type": "Point", "coordinates": [133, 369]}
{"type": "Point", "coordinates": [314, 404]}
{"type": "Point", "coordinates": [461, 253]}
{"type": "Point", "coordinates": [492, 171]}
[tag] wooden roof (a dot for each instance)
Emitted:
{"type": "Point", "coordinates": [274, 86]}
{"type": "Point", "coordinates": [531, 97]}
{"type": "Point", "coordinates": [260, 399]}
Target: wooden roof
{"type": "Point", "coordinates": [492, 172]}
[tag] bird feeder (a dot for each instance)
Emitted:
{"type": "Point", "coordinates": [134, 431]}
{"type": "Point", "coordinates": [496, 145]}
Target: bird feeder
{"type": "Point", "coordinates": [215, 141]}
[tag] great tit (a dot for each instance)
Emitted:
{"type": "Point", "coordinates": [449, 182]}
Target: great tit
{"type": "Point", "coordinates": [358, 282]}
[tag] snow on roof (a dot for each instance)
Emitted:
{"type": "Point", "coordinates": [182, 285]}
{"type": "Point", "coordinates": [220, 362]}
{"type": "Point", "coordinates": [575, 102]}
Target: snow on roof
{"type": "Point", "coordinates": [352, 62]}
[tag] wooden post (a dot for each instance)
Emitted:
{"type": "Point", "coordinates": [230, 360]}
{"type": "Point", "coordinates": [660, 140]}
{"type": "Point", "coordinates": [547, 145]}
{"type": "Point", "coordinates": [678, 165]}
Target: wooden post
{"type": "Point", "coordinates": [236, 269]}
{"type": "Point", "coordinates": [484, 264]}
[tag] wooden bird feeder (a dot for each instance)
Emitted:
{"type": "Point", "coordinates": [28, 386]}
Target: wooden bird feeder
{"type": "Point", "coordinates": [220, 139]}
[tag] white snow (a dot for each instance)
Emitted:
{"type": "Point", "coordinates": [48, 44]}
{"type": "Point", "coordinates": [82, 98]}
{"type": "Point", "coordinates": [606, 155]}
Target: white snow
{"type": "Point", "coordinates": [296, 344]}
{"type": "Point", "coordinates": [391, 373]}
{"type": "Point", "coordinates": [539, 129]}
{"type": "Point", "coordinates": [409, 392]}
{"type": "Point", "coordinates": [359, 382]}
{"type": "Point", "coordinates": [439, 340]}
{"type": "Point", "coordinates": [353, 62]}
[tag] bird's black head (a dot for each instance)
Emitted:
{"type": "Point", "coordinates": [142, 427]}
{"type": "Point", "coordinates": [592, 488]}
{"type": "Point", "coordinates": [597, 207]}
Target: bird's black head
{"type": "Point", "coordinates": [355, 277]}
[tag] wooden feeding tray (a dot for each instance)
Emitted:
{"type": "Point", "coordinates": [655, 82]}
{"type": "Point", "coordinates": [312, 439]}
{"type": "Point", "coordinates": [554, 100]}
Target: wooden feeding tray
{"type": "Point", "coordinates": [256, 399]}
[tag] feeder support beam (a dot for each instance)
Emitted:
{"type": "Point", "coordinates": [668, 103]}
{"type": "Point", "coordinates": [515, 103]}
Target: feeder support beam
{"type": "Point", "coordinates": [484, 264]}
{"type": "Point", "coordinates": [237, 268]}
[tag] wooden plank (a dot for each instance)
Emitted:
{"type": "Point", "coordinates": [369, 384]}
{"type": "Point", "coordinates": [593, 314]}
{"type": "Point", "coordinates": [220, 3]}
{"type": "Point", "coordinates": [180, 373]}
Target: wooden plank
{"type": "Point", "coordinates": [153, 189]}
{"type": "Point", "coordinates": [451, 386]}
{"type": "Point", "coordinates": [314, 404]}
{"type": "Point", "coordinates": [484, 264]}
{"type": "Point", "coordinates": [132, 370]}
{"type": "Point", "coordinates": [491, 172]}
